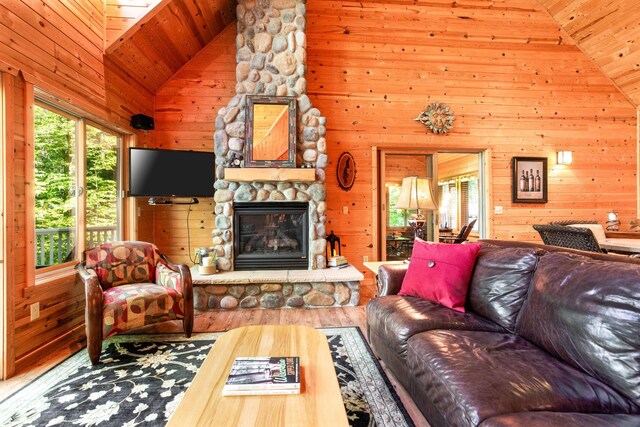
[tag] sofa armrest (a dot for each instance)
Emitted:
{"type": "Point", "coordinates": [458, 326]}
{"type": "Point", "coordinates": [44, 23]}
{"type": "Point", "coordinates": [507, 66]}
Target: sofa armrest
{"type": "Point", "coordinates": [390, 277]}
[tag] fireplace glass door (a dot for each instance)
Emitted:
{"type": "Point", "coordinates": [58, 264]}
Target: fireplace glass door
{"type": "Point", "coordinates": [271, 236]}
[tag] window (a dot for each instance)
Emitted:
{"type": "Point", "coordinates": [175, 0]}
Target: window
{"type": "Point", "coordinates": [102, 186]}
{"type": "Point", "coordinates": [459, 201]}
{"type": "Point", "coordinates": [76, 185]}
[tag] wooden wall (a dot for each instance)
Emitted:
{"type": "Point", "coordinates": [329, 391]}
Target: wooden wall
{"type": "Point", "coordinates": [515, 81]}
{"type": "Point", "coordinates": [186, 108]}
{"type": "Point", "coordinates": [56, 46]}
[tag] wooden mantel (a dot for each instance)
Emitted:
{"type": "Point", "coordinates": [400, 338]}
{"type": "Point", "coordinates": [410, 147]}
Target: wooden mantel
{"type": "Point", "coordinates": [270, 175]}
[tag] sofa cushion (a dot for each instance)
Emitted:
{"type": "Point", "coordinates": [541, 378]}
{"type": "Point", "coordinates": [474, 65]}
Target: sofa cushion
{"type": "Point", "coordinates": [469, 376]}
{"type": "Point", "coordinates": [587, 313]}
{"type": "Point", "coordinates": [564, 419]}
{"type": "Point", "coordinates": [499, 283]}
{"type": "Point", "coordinates": [440, 272]}
{"type": "Point", "coordinates": [395, 319]}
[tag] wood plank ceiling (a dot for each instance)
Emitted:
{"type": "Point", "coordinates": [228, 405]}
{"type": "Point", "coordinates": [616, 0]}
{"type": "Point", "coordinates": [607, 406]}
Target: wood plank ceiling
{"type": "Point", "coordinates": [167, 37]}
{"type": "Point", "coordinates": [608, 31]}
{"type": "Point", "coordinates": [174, 31]}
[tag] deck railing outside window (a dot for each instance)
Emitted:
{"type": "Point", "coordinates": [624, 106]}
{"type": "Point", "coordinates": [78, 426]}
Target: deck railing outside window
{"type": "Point", "coordinates": [55, 245]}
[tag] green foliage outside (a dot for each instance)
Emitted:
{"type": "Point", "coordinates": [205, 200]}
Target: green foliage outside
{"type": "Point", "coordinates": [55, 159]}
{"type": "Point", "coordinates": [396, 216]}
{"type": "Point", "coordinates": [54, 175]}
{"type": "Point", "coordinates": [102, 178]}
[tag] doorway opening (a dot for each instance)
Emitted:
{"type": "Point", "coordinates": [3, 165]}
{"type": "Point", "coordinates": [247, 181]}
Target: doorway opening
{"type": "Point", "coordinates": [458, 185]}
{"type": "Point", "coordinates": [459, 195]}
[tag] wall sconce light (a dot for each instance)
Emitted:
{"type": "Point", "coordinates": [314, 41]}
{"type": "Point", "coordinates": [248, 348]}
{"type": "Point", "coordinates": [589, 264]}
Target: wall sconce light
{"type": "Point", "coordinates": [565, 157]}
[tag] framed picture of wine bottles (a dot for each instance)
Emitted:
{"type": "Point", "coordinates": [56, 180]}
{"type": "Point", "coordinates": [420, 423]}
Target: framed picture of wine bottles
{"type": "Point", "coordinates": [529, 183]}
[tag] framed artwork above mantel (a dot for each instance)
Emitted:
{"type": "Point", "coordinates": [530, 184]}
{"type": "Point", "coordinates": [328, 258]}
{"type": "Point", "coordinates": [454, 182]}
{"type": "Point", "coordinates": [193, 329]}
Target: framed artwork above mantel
{"type": "Point", "coordinates": [271, 132]}
{"type": "Point", "coordinates": [529, 180]}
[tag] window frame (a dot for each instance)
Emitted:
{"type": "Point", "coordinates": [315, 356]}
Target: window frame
{"type": "Point", "coordinates": [52, 272]}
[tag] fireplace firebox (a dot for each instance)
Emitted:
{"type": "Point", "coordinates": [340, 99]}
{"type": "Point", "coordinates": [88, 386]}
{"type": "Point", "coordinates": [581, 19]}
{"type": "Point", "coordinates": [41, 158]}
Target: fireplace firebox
{"type": "Point", "coordinates": [271, 236]}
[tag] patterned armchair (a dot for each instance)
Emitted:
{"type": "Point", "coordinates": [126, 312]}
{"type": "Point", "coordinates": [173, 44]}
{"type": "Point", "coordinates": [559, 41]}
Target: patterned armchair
{"type": "Point", "coordinates": [131, 284]}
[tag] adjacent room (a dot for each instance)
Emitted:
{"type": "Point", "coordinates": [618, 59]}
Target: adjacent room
{"type": "Point", "coordinates": [292, 212]}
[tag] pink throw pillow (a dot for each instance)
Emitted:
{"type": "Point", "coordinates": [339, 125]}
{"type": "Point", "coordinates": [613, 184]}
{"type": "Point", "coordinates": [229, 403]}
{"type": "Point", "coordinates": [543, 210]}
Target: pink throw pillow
{"type": "Point", "coordinates": [440, 272]}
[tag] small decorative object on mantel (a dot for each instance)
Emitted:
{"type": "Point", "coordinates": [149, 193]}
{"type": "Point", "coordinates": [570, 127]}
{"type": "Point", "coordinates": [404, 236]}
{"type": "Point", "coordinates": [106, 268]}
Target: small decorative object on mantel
{"type": "Point", "coordinates": [635, 225]}
{"type": "Point", "coordinates": [613, 224]}
{"type": "Point", "coordinates": [346, 171]}
{"type": "Point", "coordinates": [437, 117]}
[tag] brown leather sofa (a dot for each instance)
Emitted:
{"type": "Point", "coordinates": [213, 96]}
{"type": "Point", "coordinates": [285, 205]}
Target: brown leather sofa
{"type": "Point", "coordinates": [550, 338]}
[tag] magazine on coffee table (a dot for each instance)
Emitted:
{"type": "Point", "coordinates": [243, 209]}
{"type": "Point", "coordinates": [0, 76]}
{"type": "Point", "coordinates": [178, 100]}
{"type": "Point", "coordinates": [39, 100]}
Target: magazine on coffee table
{"type": "Point", "coordinates": [263, 375]}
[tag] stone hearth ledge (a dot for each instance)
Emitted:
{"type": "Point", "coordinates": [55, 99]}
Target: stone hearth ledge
{"type": "Point", "coordinates": [277, 288]}
{"type": "Point", "coordinates": [347, 274]}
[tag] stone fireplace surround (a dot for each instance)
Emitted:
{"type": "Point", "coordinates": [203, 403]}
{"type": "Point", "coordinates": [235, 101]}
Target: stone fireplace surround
{"type": "Point", "coordinates": [271, 61]}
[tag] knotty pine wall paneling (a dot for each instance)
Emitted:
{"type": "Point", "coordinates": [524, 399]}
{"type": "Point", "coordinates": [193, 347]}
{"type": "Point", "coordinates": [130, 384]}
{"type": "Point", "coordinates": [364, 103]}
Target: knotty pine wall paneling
{"type": "Point", "coordinates": [55, 46]}
{"type": "Point", "coordinates": [186, 108]}
{"type": "Point", "coordinates": [515, 81]}
{"type": "Point", "coordinates": [7, 233]}
{"type": "Point", "coordinates": [517, 86]}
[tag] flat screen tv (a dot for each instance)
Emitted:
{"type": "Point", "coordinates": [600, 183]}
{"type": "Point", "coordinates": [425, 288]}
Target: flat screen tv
{"type": "Point", "coordinates": [170, 173]}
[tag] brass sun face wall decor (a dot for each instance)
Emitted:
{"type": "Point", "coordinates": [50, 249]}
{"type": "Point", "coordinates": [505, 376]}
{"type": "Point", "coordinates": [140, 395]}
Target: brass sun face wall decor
{"type": "Point", "coordinates": [437, 117]}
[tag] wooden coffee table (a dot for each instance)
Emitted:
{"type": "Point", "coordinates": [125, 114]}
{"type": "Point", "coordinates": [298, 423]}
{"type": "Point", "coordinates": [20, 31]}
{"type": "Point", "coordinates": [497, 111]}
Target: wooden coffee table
{"type": "Point", "coordinates": [319, 403]}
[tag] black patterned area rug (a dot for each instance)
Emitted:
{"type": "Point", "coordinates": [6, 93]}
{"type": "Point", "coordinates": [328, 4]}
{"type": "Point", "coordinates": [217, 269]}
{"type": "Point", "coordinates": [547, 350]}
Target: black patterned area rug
{"type": "Point", "coordinates": [142, 378]}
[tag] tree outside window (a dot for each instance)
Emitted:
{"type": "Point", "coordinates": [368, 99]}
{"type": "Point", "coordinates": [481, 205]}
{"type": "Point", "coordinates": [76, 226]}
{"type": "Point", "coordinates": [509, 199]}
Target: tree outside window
{"type": "Point", "coordinates": [58, 186]}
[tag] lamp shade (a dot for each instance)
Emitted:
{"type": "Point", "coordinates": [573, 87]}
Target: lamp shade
{"type": "Point", "coordinates": [416, 194]}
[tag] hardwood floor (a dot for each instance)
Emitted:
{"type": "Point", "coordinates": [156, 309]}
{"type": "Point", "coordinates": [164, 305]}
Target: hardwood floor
{"type": "Point", "coordinates": [222, 321]}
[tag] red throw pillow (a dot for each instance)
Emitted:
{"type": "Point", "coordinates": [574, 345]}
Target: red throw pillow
{"type": "Point", "coordinates": [440, 272]}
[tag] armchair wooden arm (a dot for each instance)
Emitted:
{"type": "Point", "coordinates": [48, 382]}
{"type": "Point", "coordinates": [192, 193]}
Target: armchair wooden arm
{"type": "Point", "coordinates": [93, 312]}
{"type": "Point", "coordinates": [186, 288]}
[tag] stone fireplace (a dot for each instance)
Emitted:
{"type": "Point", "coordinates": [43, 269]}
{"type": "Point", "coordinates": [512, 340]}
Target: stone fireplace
{"type": "Point", "coordinates": [271, 61]}
{"type": "Point", "coordinates": [254, 225]}
{"type": "Point", "coordinates": [271, 236]}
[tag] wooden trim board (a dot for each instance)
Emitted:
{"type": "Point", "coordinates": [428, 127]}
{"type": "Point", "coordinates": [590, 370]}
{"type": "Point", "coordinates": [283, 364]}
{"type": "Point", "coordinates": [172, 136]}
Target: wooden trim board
{"type": "Point", "coordinates": [7, 294]}
{"type": "Point", "coordinates": [269, 175]}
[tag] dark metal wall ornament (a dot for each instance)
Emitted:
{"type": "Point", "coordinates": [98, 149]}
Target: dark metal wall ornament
{"type": "Point", "coordinates": [437, 117]}
{"type": "Point", "coordinates": [346, 171]}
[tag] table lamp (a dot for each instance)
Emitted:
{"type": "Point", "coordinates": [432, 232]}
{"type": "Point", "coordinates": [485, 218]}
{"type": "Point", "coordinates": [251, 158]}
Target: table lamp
{"type": "Point", "coordinates": [416, 194]}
